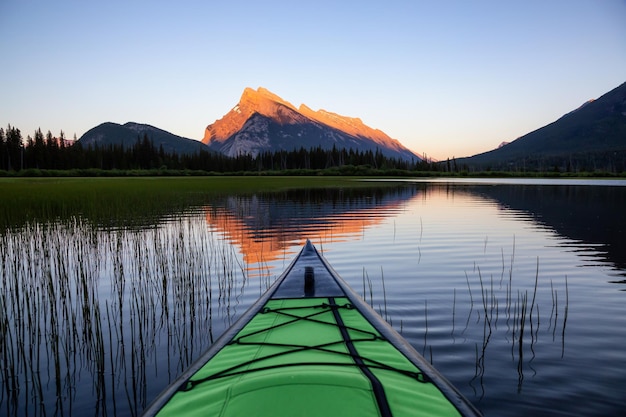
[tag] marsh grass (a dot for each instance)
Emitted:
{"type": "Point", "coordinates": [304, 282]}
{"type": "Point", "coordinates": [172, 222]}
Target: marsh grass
{"type": "Point", "coordinates": [112, 286]}
{"type": "Point", "coordinates": [496, 314]}
{"type": "Point", "coordinates": [519, 305]}
{"type": "Point", "coordinates": [107, 301]}
{"type": "Point", "coordinates": [122, 202]}
{"type": "Point", "coordinates": [102, 315]}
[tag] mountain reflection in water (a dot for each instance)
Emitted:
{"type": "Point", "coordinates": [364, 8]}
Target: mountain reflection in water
{"type": "Point", "coordinates": [479, 278]}
{"type": "Point", "coordinates": [589, 215]}
{"type": "Point", "coordinates": [265, 226]}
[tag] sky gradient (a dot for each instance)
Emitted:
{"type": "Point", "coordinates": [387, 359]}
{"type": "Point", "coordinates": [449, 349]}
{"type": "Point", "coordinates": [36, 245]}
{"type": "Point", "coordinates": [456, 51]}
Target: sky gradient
{"type": "Point", "coordinates": [446, 78]}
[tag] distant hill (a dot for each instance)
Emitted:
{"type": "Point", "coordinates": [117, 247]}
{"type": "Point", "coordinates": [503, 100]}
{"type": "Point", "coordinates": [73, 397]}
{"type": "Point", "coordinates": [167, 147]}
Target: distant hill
{"type": "Point", "coordinates": [264, 122]}
{"type": "Point", "coordinates": [127, 135]}
{"type": "Point", "coordinates": [590, 137]}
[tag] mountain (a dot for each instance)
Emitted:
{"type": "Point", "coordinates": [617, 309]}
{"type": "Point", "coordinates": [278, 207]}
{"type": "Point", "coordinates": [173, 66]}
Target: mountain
{"type": "Point", "coordinates": [592, 136]}
{"type": "Point", "coordinates": [127, 134]}
{"type": "Point", "coordinates": [264, 122]}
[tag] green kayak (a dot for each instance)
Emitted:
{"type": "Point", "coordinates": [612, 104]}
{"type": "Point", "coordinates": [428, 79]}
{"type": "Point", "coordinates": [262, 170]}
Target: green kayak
{"type": "Point", "coordinates": [310, 346]}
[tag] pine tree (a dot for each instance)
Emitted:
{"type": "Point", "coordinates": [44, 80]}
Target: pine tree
{"type": "Point", "coordinates": [14, 148]}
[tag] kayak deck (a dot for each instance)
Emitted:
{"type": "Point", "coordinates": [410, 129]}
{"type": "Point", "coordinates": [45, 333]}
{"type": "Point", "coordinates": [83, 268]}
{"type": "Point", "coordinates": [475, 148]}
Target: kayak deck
{"type": "Point", "coordinates": [308, 348]}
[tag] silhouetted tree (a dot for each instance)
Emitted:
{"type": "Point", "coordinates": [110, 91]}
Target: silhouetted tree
{"type": "Point", "coordinates": [14, 148]}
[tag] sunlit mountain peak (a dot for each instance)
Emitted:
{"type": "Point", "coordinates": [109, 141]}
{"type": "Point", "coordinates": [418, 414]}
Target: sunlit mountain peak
{"type": "Point", "coordinates": [262, 121]}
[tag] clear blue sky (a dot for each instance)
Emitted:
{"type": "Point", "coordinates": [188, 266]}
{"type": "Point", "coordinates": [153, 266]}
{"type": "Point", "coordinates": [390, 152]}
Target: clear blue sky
{"type": "Point", "coordinates": [446, 78]}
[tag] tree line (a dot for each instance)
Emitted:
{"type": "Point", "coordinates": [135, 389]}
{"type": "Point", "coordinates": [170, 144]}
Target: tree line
{"type": "Point", "coordinates": [46, 152]}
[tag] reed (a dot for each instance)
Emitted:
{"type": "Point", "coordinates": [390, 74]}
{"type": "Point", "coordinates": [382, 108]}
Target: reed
{"type": "Point", "coordinates": [426, 329]}
{"type": "Point", "coordinates": [523, 329]}
{"type": "Point", "coordinates": [103, 313]}
{"type": "Point", "coordinates": [564, 318]}
{"type": "Point", "coordinates": [382, 280]}
{"type": "Point", "coordinates": [370, 289]}
{"type": "Point", "coordinates": [453, 312]}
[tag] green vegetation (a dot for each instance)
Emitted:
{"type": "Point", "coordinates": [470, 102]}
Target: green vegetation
{"type": "Point", "coordinates": [86, 315]}
{"type": "Point", "coordinates": [130, 200]}
{"type": "Point", "coordinates": [136, 197]}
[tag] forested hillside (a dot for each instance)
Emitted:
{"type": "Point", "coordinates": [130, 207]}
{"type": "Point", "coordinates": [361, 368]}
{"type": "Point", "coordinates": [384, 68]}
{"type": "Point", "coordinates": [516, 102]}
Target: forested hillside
{"type": "Point", "coordinates": [46, 152]}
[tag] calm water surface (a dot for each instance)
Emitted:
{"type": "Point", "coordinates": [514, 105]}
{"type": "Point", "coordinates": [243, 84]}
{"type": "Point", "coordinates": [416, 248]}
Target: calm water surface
{"type": "Point", "coordinates": [514, 290]}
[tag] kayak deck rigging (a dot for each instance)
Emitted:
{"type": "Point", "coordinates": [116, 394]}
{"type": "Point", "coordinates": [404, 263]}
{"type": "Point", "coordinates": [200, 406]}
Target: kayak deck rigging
{"type": "Point", "coordinates": [311, 347]}
{"type": "Point", "coordinates": [292, 348]}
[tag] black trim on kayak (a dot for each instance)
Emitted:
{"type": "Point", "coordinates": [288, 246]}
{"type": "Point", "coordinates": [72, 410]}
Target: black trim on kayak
{"type": "Point", "coordinates": [377, 387]}
{"type": "Point", "coordinates": [461, 403]}
{"type": "Point", "coordinates": [325, 283]}
{"type": "Point", "coordinates": [155, 406]}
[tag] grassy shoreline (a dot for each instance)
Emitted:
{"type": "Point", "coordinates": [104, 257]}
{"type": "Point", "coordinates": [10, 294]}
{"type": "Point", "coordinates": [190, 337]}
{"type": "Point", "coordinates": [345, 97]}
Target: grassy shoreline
{"type": "Point", "coordinates": [139, 199]}
{"type": "Point", "coordinates": [343, 171]}
{"type": "Point", "coordinates": [106, 200]}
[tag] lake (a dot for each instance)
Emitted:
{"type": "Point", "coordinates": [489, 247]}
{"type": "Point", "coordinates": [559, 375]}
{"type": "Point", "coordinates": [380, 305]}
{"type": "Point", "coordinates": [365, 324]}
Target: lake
{"type": "Point", "coordinates": [515, 290]}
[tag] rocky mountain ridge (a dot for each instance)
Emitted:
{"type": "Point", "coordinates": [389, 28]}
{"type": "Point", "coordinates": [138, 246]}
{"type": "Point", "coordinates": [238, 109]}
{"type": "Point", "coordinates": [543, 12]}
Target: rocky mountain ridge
{"type": "Point", "coordinates": [128, 134]}
{"type": "Point", "coordinates": [264, 122]}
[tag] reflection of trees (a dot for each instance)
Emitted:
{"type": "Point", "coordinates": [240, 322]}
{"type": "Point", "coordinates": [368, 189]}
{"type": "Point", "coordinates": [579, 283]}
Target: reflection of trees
{"type": "Point", "coordinates": [111, 316]}
{"type": "Point", "coordinates": [264, 225]}
{"type": "Point", "coordinates": [592, 215]}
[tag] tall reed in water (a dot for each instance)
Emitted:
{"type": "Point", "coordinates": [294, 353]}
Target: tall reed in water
{"type": "Point", "coordinates": [522, 330]}
{"type": "Point", "coordinates": [107, 317]}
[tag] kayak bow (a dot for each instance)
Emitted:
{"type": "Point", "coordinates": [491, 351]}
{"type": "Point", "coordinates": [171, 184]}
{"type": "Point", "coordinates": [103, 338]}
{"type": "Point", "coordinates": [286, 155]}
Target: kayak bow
{"type": "Point", "coordinates": [310, 346]}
